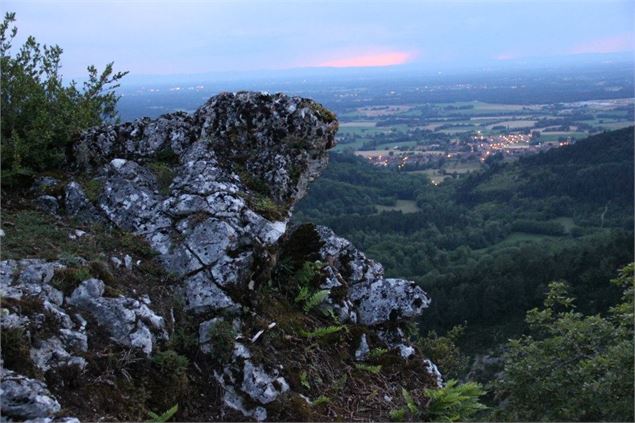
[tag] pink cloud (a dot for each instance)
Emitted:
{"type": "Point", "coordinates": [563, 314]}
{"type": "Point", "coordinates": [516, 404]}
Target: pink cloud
{"type": "Point", "coordinates": [505, 56]}
{"type": "Point", "coordinates": [390, 58]}
{"type": "Point", "coordinates": [618, 43]}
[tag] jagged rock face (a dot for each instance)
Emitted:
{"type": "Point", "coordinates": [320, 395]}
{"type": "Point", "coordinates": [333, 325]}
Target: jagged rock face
{"type": "Point", "coordinates": [238, 164]}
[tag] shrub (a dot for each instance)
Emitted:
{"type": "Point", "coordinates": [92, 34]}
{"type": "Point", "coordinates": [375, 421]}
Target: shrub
{"type": "Point", "coordinates": [40, 113]}
{"type": "Point", "coordinates": [571, 367]}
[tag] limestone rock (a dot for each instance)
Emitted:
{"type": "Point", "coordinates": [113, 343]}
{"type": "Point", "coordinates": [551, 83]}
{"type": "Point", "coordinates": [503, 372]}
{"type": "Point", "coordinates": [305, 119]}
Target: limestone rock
{"type": "Point", "coordinates": [48, 204]}
{"type": "Point", "coordinates": [77, 204]}
{"type": "Point", "coordinates": [51, 353]}
{"type": "Point", "coordinates": [261, 386]}
{"type": "Point", "coordinates": [384, 300]}
{"type": "Point", "coordinates": [130, 322]}
{"type": "Point", "coordinates": [24, 398]}
{"type": "Point", "coordinates": [237, 165]}
{"type": "Point", "coordinates": [362, 351]}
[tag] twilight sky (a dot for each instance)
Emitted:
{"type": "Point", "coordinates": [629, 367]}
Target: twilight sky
{"type": "Point", "coordinates": [160, 37]}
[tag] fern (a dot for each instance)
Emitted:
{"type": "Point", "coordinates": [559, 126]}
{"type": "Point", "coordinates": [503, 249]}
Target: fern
{"type": "Point", "coordinates": [320, 332]}
{"type": "Point", "coordinates": [303, 278]}
{"type": "Point", "coordinates": [322, 399]}
{"type": "Point", "coordinates": [369, 368]}
{"type": "Point", "coordinates": [410, 402]}
{"type": "Point", "coordinates": [454, 402]}
{"type": "Point", "coordinates": [398, 415]}
{"type": "Point", "coordinates": [304, 380]}
{"type": "Point", "coordinates": [377, 352]}
{"type": "Point", "coordinates": [303, 294]}
{"type": "Point", "coordinates": [315, 300]}
{"type": "Point", "coordinates": [309, 270]}
{"type": "Point", "coordinates": [165, 416]}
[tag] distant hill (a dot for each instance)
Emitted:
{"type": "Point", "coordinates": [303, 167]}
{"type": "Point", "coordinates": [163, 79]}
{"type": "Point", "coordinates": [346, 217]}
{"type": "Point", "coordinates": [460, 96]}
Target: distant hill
{"type": "Point", "coordinates": [594, 171]}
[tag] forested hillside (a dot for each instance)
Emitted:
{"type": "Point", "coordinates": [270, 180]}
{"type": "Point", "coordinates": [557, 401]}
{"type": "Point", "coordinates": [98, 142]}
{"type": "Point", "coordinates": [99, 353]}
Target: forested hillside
{"type": "Point", "coordinates": [486, 246]}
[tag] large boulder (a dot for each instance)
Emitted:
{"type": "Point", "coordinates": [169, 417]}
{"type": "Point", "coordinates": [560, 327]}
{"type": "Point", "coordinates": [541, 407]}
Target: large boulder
{"type": "Point", "coordinates": [212, 191]}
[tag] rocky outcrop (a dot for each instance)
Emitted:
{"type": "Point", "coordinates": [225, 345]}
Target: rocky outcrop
{"type": "Point", "coordinates": [211, 193]}
{"type": "Point", "coordinates": [358, 289]}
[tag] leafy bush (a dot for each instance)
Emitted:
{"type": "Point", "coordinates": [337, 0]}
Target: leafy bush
{"type": "Point", "coordinates": [40, 113]}
{"type": "Point", "coordinates": [443, 351]}
{"type": "Point", "coordinates": [572, 367]}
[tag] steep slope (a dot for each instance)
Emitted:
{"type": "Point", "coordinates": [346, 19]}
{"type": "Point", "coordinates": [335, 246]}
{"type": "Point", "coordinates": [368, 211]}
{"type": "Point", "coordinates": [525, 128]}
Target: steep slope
{"type": "Point", "coordinates": [169, 277]}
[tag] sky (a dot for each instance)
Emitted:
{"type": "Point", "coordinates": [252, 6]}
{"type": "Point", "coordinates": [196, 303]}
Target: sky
{"type": "Point", "coordinates": [162, 37]}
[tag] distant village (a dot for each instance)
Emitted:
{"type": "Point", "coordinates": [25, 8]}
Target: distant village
{"type": "Point", "coordinates": [476, 147]}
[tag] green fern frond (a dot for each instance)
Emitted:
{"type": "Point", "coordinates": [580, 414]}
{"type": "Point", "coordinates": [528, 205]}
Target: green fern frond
{"type": "Point", "coordinates": [320, 332]}
{"type": "Point", "coordinates": [315, 300]}
{"type": "Point", "coordinates": [369, 368]}
{"type": "Point", "coordinates": [165, 416]}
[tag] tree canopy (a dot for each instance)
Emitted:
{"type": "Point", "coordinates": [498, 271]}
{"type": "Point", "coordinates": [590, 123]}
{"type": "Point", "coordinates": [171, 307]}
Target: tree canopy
{"type": "Point", "coordinates": [572, 367]}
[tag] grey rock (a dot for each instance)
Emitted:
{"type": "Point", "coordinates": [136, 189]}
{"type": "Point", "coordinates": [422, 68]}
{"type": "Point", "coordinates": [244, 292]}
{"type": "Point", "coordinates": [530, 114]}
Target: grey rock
{"type": "Point", "coordinates": [433, 370]}
{"type": "Point", "coordinates": [10, 320]}
{"type": "Point", "coordinates": [362, 351]}
{"type": "Point", "coordinates": [57, 313]}
{"type": "Point", "coordinates": [210, 239]}
{"type": "Point", "coordinates": [74, 339]}
{"type": "Point", "coordinates": [25, 398]}
{"type": "Point", "coordinates": [127, 260]}
{"type": "Point", "coordinates": [387, 299]}
{"type": "Point", "coordinates": [48, 204]}
{"type": "Point", "coordinates": [29, 277]}
{"type": "Point", "coordinates": [44, 183]}
{"type": "Point", "coordinates": [406, 351]}
{"type": "Point", "coordinates": [202, 295]}
{"type": "Point", "coordinates": [87, 291]}
{"type": "Point", "coordinates": [130, 322]}
{"type": "Point", "coordinates": [8, 269]}
{"type": "Point", "coordinates": [261, 386]}
{"type": "Point", "coordinates": [37, 272]}
{"type": "Point", "coordinates": [224, 153]}
{"type": "Point", "coordinates": [234, 401]}
{"type": "Point", "coordinates": [50, 353]}
{"type": "Point", "coordinates": [116, 261]}
{"type": "Point", "coordinates": [76, 234]}
{"type": "Point", "coordinates": [370, 298]}
{"type": "Point", "coordinates": [78, 206]}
